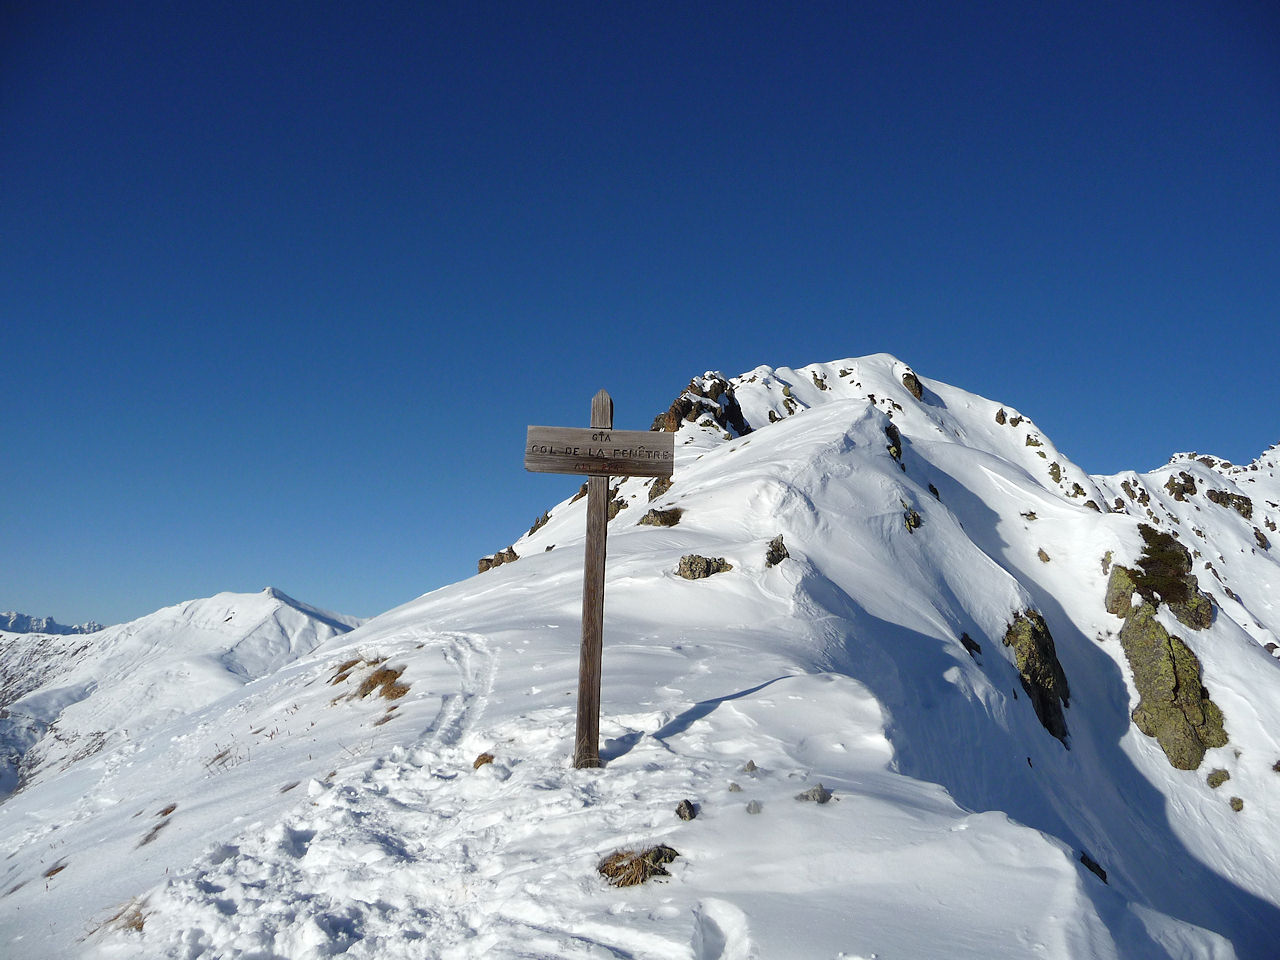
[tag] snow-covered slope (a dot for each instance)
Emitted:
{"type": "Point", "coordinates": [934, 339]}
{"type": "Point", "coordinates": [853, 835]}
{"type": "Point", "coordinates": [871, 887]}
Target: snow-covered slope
{"type": "Point", "coordinates": [66, 698]}
{"type": "Point", "coordinates": [332, 806]}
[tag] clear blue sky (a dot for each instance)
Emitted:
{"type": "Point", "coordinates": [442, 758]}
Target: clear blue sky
{"type": "Point", "coordinates": [281, 284]}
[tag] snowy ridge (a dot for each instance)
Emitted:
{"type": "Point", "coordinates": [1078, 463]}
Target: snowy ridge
{"type": "Point", "coordinates": [11, 622]}
{"type": "Point", "coordinates": [331, 805]}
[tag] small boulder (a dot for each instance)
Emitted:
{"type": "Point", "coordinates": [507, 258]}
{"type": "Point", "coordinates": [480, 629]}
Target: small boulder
{"type": "Point", "coordinates": [686, 810]}
{"type": "Point", "coordinates": [776, 553]}
{"type": "Point", "coordinates": [818, 794]}
{"type": "Point", "coordinates": [694, 567]}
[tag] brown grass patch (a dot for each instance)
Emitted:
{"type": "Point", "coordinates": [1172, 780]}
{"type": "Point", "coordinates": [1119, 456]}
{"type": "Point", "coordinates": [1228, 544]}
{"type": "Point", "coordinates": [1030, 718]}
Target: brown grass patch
{"type": "Point", "coordinates": [482, 760]}
{"type": "Point", "coordinates": [56, 869]}
{"type": "Point", "coordinates": [385, 681]}
{"type": "Point", "coordinates": [626, 868]}
{"type": "Point", "coordinates": [167, 810]}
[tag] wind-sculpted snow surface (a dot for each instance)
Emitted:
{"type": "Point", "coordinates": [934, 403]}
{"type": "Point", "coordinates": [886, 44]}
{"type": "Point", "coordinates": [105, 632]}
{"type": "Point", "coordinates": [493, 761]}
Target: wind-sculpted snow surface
{"type": "Point", "coordinates": [333, 807]}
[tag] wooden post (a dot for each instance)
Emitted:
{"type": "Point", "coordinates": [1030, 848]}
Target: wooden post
{"type": "Point", "coordinates": [586, 750]}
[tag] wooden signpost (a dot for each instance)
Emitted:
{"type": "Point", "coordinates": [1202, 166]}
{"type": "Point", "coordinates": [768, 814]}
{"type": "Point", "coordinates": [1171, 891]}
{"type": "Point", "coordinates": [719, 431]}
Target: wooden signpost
{"type": "Point", "coordinates": [599, 452]}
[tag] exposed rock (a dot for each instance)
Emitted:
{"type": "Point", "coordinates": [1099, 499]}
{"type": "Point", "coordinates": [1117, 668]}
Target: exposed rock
{"type": "Point", "coordinates": [711, 395]}
{"type": "Point", "coordinates": [1261, 537]}
{"type": "Point", "coordinates": [694, 567]}
{"type": "Point", "coordinates": [481, 760]}
{"type": "Point", "coordinates": [1041, 673]}
{"type": "Point", "coordinates": [1181, 486]}
{"type": "Point", "coordinates": [498, 559]}
{"type": "Point", "coordinates": [776, 552]}
{"type": "Point", "coordinates": [1237, 502]}
{"type": "Point", "coordinates": [1033, 441]}
{"type": "Point", "coordinates": [818, 794]}
{"type": "Point", "coordinates": [1001, 417]}
{"type": "Point", "coordinates": [750, 767]}
{"type": "Point", "coordinates": [659, 486]}
{"type": "Point", "coordinates": [1164, 576]}
{"type": "Point", "coordinates": [1173, 707]}
{"type": "Point", "coordinates": [539, 523]}
{"type": "Point", "coordinates": [734, 787]}
{"type": "Point", "coordinates": [1217, 778]}
{"type": "Point", "coordinates": [686, 810]}
{"type": "Point", "coordinates": [1120, 590]}
{"type": "Point", "coordinates": [1044, 557]}
{"type": "Point", "coordinates": [582, 492]}
{"type": "Point", "coordinates": [895, 442]}
{"type": "Point", "coordinates": [820, 381]}
{"type": "Point", "coordinates": [970, 644]}
{"type": "Point", "coordinates": [936, 495]}
{"type": "Point", "coordinates": [1055, 472]}
{"type": "Point", "coordinates": [754, 807]}
{"type": "Point", "coordinates": [912, 383]}
{"type": "Point", "coordinates": [1092, 866]}
{"type": "Point", "coordinates": [910, 517]}
{"type": "Point", "coordinates": [662, 518]}
{"type": "Point", "coordinates": [1237, 804]}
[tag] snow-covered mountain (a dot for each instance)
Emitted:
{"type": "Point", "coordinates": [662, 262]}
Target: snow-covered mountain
{"type": "Point", "coordinates": [11, 622]}
{"type": "Point", "coordinates": [1045, 705]}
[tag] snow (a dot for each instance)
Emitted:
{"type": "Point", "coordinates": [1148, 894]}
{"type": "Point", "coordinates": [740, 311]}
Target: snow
{"type": "Point", "coordinates": [222, 781]}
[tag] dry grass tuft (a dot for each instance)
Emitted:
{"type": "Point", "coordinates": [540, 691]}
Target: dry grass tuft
{"type": "Point", "coordinates": [56, 869]}
{"type": "Point", "coordinates": [130, 915]}
{"type": "Point", "coordinates": [627, 868]}
{"type": "Point", "coordinates": [385, 681]}
{"type": "Point", "coordinates": [482, 760]}
{"type": "Point", "coordinates": [344, 671]}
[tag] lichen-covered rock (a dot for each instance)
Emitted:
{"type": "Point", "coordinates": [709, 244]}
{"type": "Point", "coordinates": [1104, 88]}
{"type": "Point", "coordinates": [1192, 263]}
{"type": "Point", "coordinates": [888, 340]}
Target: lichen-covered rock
{"type": "Point", "coordinates": [1041, 673]}
{"type": "Point", "coordinates": [1173, 707]}
{"type": "Point", "coordinates": [1261, 537]}
{"type": "Point", "coordinates": [1055, 472]}
{"type": "Point", "coordinates": [1120, 590]}
{"type": "Point", "coordinates": [694, 567]}
{"type": "Point", "coordinates": [776, 552]}
{"type": "Point", "coordinates": [1164, 576]}
{"type": "Point", "coordinates": [662, 518]}
{"type": "Point", "coordinates": [1235, 501]}
{"type": "Point", "coordinates": [912, 383]}
{"type": "Point", "coordinates": [1217, 778]}
{"type": "Point", "coordinates": [1001, 417]}
{"type": "Point", "coordinates": [910, 518]}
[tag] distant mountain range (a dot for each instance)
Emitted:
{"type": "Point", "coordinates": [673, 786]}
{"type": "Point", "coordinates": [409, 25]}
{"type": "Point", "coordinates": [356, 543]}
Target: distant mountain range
{"type": "Point", "coordinates": [21, 623]}
{"type": "Point", "coordinates": [928, 688]}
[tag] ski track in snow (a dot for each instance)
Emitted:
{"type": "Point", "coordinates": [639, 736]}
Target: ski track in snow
{"type": "Point", "coordinates": [425, 855]}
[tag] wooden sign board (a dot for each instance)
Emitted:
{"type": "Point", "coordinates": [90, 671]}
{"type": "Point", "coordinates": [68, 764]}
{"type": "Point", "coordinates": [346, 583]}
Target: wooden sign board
{"type": "Point", "coordinates": [600, 451]}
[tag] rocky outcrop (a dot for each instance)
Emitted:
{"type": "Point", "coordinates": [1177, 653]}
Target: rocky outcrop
{"type": "Point", "coordinates": [694, 567]}
{"type": "Point", "coordinates": [1041, 673]}
{"type": "Point", "coordinates": [659, 486]}
{"type": "Point", "coordinates": [496, 560]}
{"type": "Point", "coordinates": [1163, 575]}
{"type": "Point", "coordinates": [776, 552]}
{"type": "Point", "coordinates": [710, 395]}
{"type": "Point", "coordinates": [912, 383]}
{"type": "Point", "coordinates": [1173, 707]}
{"type": "Point", "coordinates": [1181, 486]}
{"type": "Point", "coordinates": [662, 518]}
{"type": "Point", "coordinates": [1237, 502]}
